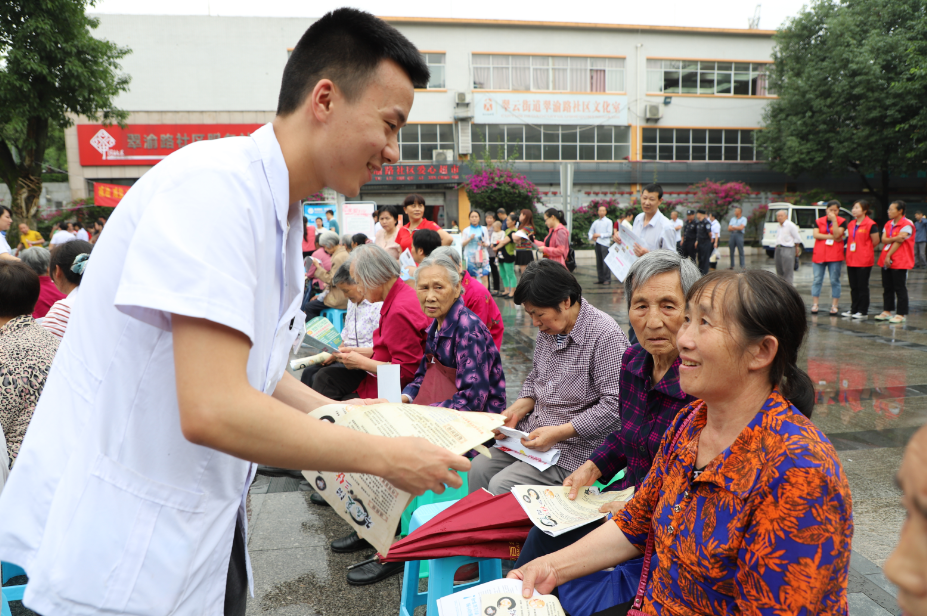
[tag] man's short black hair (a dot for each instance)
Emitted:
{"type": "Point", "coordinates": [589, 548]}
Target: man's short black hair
{"type": "Point", "coordinates": [426, 240]}
{"type": "Point", "coordinates": [330, 212]}
{"type": "Point", "coordinates": [546, 283]}
{"type": "Point", "coordinates": [654, 188]}
{"type": "Point", "coordinates": [20, 289]}
{"type": "Point", "coordinates": [701, 211]}
{"type": "Point", "coordinates": [346, 46]}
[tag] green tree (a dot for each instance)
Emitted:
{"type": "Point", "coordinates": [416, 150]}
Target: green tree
{"type": "Point", "coordinates": [851, 92]}
{"type": "Point", "coordinates": [50, 66]}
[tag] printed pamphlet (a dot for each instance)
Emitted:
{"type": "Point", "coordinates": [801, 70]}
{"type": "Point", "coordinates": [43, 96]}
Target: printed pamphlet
{"type": "Point", "coordinates": [323, 332]}
{"type": "Point", "coordinates": [507, 604]}
{"type": "Point", "coordinates": [621, 255]}
{"type": "Point", "coordinates": [511, 444]}
{"type": "Point", "coordinates": [469, 602]}
{"type": "Point", "coordinates": [551, 510]}
{"type": "Point", "coordinates": [371, 505]}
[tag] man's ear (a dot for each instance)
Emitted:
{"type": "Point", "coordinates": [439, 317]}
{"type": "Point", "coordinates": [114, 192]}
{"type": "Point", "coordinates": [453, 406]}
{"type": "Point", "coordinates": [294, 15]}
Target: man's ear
{"type": "Point", "coordinates": [320, 101]}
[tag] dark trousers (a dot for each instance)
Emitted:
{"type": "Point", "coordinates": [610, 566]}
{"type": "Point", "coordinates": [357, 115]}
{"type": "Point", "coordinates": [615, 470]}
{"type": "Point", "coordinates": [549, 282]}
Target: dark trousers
{"type": "Point", "coordinates": [894, 282]}
{"type": "Point", "coordinates": [540, 544]}
{"type": "Point", "coordinates": [313, 309]}
{"type": "Point", "coordinates": [859, 288]}
{"type": "Point", "coordinates": [704, 255]}
{"type": "Point", "coordinates": [494, 275]}
{"type": "Point", "coordinates": [309, 372]}
{"type": "Point", "coordinates": [600, 268]}
{"type": "Point", "coordinates": [337, 382]}
{"type": "Point", "coordinates": [236, 582]}
{"type": "Point", "coordinates": [688, 249]}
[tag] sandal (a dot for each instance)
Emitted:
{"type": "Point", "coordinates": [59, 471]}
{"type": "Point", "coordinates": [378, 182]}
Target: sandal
{"type": "Point", "coordinates": [814, 309]}
{"type": "Point", "coordinates": [834, 312]}
{"type": "Point", "coordinates": [883, 317]}
{"type": "Point", "coordinates": [897, 319]}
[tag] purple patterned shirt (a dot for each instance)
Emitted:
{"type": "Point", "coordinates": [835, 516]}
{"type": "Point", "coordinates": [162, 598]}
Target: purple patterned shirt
{"type": "Point", "coordinates": [576, 381]}
{"type": "Point", "coordinates": [464, 343]}
{"type": "Point", "coordinates": [646, 413]}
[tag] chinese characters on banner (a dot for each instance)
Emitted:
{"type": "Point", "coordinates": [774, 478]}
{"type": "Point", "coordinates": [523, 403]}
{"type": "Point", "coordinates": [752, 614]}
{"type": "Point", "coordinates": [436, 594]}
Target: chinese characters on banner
{"type": "Point", "coordinates": [146, 144]}
{"type": "Point", "coordinates": [543, 108]}
{"type": "Point", "coordinates": [420, 173]}
{"type": "Point", "coordinates": [108, 195]}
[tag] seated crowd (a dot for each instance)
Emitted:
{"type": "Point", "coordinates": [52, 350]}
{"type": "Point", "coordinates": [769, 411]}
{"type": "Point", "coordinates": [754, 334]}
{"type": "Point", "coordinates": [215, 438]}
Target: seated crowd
{"type": "Point", "coordinates": [740, 503]}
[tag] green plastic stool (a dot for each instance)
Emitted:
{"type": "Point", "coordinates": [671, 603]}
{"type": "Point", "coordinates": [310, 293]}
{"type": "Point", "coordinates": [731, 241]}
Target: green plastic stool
{"type": "Point", "coordinates": [430, 498]}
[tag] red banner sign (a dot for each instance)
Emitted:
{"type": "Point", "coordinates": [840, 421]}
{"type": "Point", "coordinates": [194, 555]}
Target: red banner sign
{"type": "Point", "coordinates": [420, 173]}
{"type": "Point", "coordinates": [146, 144]}
{"type": "Point", "coordinates": [108, 195]}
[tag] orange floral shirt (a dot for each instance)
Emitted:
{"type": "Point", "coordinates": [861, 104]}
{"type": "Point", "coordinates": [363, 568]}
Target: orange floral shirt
{"type": "Point", "coordinates": [765, 529]}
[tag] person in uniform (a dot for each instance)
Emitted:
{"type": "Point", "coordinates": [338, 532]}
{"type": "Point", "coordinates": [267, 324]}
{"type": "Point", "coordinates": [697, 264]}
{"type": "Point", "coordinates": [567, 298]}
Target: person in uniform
{"type": "Point", "coordinates": [688, 234]}
{"type": "Point", "coordinates": [703, 241]}
{"type": "Point", "coordinates": [130, 485]}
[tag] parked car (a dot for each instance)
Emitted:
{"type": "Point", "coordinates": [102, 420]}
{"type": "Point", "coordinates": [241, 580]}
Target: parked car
{"type": "Point", "coordinates": [803, 216]}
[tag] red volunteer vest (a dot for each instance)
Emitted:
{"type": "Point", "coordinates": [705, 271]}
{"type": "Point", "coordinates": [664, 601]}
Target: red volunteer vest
{"type": "Point", "coordinates": [904, 257]}
{"type": "Point", "coordinates": [860, 235]}
{"type": "Point", "coordinates": [822, 252]}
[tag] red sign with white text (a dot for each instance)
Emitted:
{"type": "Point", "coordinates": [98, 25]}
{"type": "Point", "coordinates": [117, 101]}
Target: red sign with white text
{"type": "Point", "coordinates": [108, 195]}
{"type": "Point", "coordinates": [146, 144]}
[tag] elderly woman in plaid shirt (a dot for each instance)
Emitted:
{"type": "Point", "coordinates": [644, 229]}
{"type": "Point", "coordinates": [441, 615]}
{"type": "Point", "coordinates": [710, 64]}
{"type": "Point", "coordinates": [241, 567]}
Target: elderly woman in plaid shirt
{"type": "Point", "coordinates": [570, 398]}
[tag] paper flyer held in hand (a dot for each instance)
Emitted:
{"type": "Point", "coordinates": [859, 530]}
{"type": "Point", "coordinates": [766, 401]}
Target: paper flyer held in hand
{"type": "Point", "coordinates": [512, 445]}
{"type": "Point", "coordinates": [551, 510]}
{"type": "Point", "coordinates": [469, 602]}
{"type": "Point", "coordinates": [508, 604]}
{"type": "Point", "coordinates": [371, 505]}
{"type": "Point", "coordinates": [621, 256]}
{"type": "Point", "coordinates": [322, 331]}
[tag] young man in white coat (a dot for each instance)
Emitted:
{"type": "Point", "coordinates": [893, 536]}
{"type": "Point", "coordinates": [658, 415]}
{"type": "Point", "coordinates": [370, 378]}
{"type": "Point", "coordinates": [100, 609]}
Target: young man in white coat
{"type": "Point", "coordinates": [128, 493]}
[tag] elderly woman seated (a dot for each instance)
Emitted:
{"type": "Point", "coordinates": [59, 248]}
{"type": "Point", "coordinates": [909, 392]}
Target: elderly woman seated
{"type": "Point", "coordinates": [399, 338]}
{"type": "Point", "coordinates": [461, 368]}
{"type": "Point", "coordinates": [26, 352]}
{"type": "Point", "coordinates": [746, 508]}
{"type": "Point", "coordinates": [570, 398]}
{"type": "Point", "coordinates": [331, 297]}
{"type": "Point", "coordinates": [476, 297]}
{"type": "Point", "coordinates": [39, 259]}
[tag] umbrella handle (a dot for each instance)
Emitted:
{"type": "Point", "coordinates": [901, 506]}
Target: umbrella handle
{"type": "Point", "coordinates": [365, 562]}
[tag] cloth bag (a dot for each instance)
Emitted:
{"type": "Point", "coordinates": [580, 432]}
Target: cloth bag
{"type": "Point", "coordinates": [439, 384]}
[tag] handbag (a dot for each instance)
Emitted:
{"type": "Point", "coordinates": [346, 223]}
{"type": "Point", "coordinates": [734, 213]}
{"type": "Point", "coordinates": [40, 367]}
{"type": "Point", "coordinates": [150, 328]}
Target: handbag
{"type": "Point", "coordinates": [439, 383]}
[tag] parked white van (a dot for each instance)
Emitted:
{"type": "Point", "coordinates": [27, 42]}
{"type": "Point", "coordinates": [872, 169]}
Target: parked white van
{"type": "Point", "coordinates": [803, 216]}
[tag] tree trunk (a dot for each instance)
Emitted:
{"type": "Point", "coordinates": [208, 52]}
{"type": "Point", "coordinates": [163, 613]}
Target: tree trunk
{"type": "Point", "coordinates": [880, 215]}
{"type": "Point", "coordinates": [26, 200]}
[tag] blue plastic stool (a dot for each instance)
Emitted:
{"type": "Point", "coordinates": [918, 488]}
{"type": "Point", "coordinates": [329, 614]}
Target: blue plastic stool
{"type": "Point", "coordinates": [441, 580]}
{"type": "Point", "coordinates": [10, 593]}
{"type": "Point", "coordinates": [336, 316]}
{"type": "Point", "coordinates": [429, 498]}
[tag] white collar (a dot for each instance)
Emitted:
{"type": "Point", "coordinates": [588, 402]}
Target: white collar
{"type": "Point", "coordinates": [278, 176]}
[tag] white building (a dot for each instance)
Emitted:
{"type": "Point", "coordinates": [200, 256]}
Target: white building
{"type": "Point", "coordinates": [628, 104]}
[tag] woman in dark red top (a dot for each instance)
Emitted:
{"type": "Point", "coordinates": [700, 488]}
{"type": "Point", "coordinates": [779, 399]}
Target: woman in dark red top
{"type": "Point", "coordinates": [414, 206]}
{"type": "Point", "coordinates": [896, 259]}
{"type": "Point", "coordinates": [862, 238]}
{"type": "Point", "coordinates": [828, 255]}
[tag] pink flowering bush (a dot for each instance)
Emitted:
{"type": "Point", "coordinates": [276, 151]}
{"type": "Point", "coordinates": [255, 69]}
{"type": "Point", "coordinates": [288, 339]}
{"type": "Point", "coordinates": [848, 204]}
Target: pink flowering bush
{"type": "Point", "coordinates": [717, 197]}
{"type": "Point", "coordinates": [492, 187]}
{"type": "Point", "coordinates": [756, 219]}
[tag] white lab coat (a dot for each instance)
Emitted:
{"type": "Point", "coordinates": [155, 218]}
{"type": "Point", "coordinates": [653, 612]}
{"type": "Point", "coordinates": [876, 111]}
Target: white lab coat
{"type": "Point", "coordinates": [111, 509]}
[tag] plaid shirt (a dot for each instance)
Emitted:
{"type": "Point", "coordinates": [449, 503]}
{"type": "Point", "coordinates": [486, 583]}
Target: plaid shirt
{"type": "Point", "coordinates": [646, 413]}
{"type": "Point", "coordinates": [577, 381]}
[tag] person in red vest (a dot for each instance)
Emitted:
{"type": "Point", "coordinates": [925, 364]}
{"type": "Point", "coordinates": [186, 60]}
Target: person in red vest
{"type": "Point", "coordinates": [828, 255]}
{"type": "Point", "coordinates": [862, 238]}
{"type": "Point", "coordinates": [896, 259]}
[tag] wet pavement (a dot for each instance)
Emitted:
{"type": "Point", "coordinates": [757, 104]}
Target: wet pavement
{"type": "Point", "coordinates": [872, 395]}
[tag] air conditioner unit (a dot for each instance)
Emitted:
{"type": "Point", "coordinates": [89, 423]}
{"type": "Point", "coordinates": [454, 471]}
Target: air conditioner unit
{"type": "Point", "coordinates": [442, 156]}
{"type": "Point", "coordinates": [464, 142]}
{"type": "Point", "coordinates": [463, 98]}
{"type": "Point", "coordinates": [653, 112]}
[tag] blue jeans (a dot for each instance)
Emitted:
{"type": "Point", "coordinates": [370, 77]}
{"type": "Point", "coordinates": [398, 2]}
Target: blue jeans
{"type": "Point", "coordinates": [833, 268]}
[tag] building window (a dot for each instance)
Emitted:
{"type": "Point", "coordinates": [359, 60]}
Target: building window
{"type": "Point", "coordinates": [525, 142]}
{"type": "Point", "coordinates": [547, 73]}
{"type": "Point", "coordinates": [417, 142]}
{"type": "Point", "coordinates": [708, 78]}
{"type": "Point", "coordinates": [435, 63]}
{"type": "Point", "coordinates": [698, 144]}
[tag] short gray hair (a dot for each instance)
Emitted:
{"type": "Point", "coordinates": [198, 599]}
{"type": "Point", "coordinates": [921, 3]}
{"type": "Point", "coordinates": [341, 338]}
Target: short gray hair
{"type": "Point", "coordinates": [347, 240]}
{"type": "Point", "coordinates": [373, 267]}
{"type": "Point", "coordinates": [343, 274]}
{"type": "Point", "coordinates": [329, 239]}
{"type": "Point", "coordinates": [453, 275]}
{"type": "Point", "coordinates": [450, 252]}
{"type": "Point", "coordinates": [37, 258]}
{"type": "Point", "coordinates": [659, 262]}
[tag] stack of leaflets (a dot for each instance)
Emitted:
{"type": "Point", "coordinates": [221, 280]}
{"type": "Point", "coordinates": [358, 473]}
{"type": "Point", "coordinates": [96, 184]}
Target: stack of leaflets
{"type": "Point", "coordinates": [323, 332]}
{"type": "Point", "coordinates": [498, 598]}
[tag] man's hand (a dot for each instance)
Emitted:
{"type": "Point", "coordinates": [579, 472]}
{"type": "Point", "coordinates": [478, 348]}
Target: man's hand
{"type": "Point", "coordinates": [545, 437]}
{"type": "Point", "coordinates": [613, 507]}
{"type": "Point", "coordinates": [414, 465]}
{"type": "Point", "coordinates": [584, 476]}
{"type": "Point", "coordinates": [539, 574]}
{"type": "Point", "coordinates": [639, 250]}
{"type": "Point", "coordinates": [596, 236]}
{"type": "Point", "coordinates": [887, 262]}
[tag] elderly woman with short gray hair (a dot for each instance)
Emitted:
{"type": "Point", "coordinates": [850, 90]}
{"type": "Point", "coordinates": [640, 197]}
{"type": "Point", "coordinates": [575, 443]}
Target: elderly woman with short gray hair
{"type": "Point", "coordinates": [400, 338]}
{"type": "Point", "coordinates": [38, 259]}
{"type": "Point", "coordinates": [332, 296]}
{"type": "Point", "coordinates": [461, 368]}
{"type": "Point", "coordinates": [650, 398]}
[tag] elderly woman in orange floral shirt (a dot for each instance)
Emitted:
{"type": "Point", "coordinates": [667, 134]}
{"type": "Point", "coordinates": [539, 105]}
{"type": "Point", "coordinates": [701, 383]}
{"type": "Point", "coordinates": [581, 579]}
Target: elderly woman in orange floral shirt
{"type": "Point", "coordinates": [746, 507]}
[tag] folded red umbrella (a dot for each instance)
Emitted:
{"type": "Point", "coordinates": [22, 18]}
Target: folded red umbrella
{"type": "Point", "coordinates": [479, 525]}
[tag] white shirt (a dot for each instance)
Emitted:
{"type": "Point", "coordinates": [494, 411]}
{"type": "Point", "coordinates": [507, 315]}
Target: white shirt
{"type": "Point", "coordinates": [4, 247]}
{"type": "Point", "coordinates": [715, 228]}
{"type": "Point", "coordinates": [787, 235]}
{"type": "Point", "coordinates": [677, 224]}
{"type": "Point", "coordinates": [658, 233]}
{"type": "Point", "coordinates": [111, 509]}
{"type": "Point", "coordinates": [61, 237]}
{"type": "Point", "coordinates": [602, 226]}
{"type": "Point", "coordinates": [82, 235]}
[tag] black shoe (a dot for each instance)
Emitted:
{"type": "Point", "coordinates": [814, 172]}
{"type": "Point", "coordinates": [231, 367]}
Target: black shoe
{"type": "Point", "coordinates": [599, 282]}
{"type": "Point", "coordinates": [351, 543]}
{"type": "Point", "coordinates": [316, 499]}
{"type": "Point", "coordinates": [371, 573]}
